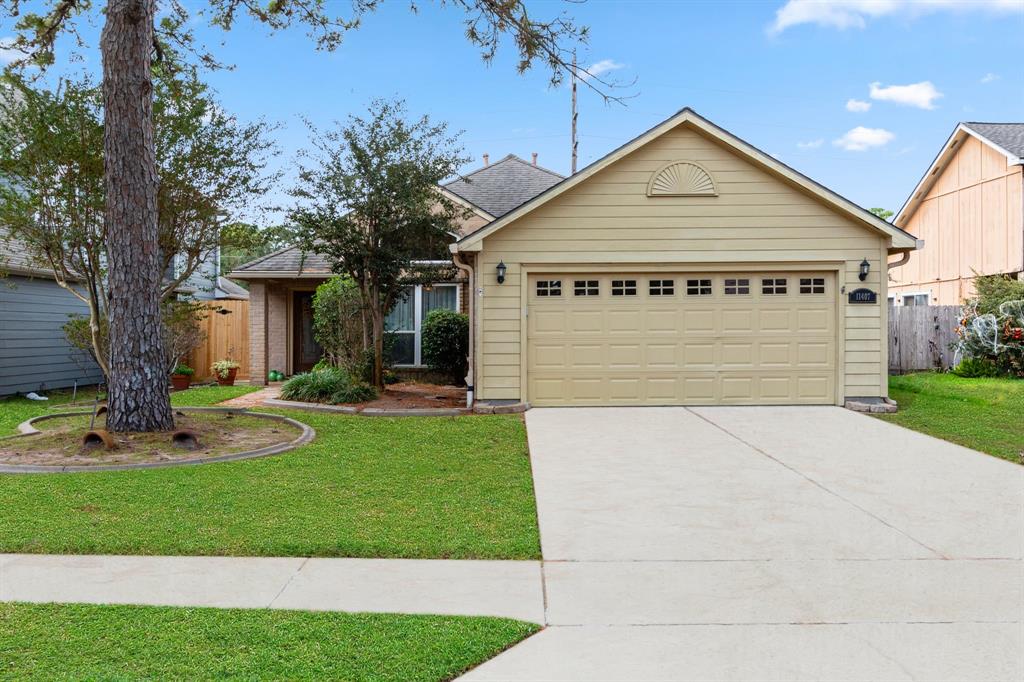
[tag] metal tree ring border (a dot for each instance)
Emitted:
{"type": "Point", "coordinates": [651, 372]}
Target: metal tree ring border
{"type": "Point", "coordinates": [27, 428]}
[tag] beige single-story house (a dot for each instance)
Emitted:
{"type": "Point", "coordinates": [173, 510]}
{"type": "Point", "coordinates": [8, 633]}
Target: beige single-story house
{"type": "Point", "coordinates": [968, 208]}
{"type": "Point", "coordinates": [684, 268]}
{"type": "Point", "coordinates": [282, 283]}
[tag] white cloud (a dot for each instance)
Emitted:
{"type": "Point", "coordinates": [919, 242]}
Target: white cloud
{"type": "Point", "coordinates": [811, 144]}
{"type": "Point", "coordinates": [860, 139]}
{"type": "Point", "coordinates": [857, 105]}
{"type": "Point", "coordinates": [989, 77]}
{"type": "Point", "coordinates": [8, 55]}
{"type": "Point", "coordinates": [602, 67]}
{"type": "Point", "coordinates": [921, 95]}
{"type": "Point", "coordinates": [844, 14]}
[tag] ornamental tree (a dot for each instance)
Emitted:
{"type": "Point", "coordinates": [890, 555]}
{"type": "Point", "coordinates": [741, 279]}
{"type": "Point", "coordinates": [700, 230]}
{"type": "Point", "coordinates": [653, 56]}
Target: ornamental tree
{"type": "Point", "coordinates": [368, 202]}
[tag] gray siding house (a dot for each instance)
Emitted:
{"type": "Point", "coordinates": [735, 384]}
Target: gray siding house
{"type": "Point", "coordinates": [34, 355]}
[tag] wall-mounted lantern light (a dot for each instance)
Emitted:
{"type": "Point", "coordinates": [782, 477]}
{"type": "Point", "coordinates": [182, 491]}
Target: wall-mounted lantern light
{"type": "Point", "coordinates": [865, 268]}
{"type": "Point", "coordinates": [502, 269]}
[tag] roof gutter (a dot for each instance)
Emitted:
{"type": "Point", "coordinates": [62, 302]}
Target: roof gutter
{"type": "Point", "coordinates": [471, 306]}
{"type": "Point", "coordinates": [905, 258]}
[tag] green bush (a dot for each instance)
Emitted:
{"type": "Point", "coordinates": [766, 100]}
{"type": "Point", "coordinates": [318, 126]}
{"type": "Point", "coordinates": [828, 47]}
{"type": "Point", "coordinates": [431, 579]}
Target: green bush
{"type": "Point", "coordinates": [331, 385]}
{"type": "Point", "coordinates": [991, 291]}
{"type": "Point", "coordinates": [183, 370]}
{"type": "Point", "coordinates": [445, 343]}
{"type": "Point", "coordinates": [974, 368]}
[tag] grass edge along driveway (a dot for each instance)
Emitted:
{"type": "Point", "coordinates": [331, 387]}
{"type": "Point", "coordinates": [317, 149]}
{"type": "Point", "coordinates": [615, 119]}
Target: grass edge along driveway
{"type": "Point", "coordinates": [982, 414]}
{"type": "Point", "coordinates": [405, 487]}
{"type": "Point", "coordinates": [83, 641]}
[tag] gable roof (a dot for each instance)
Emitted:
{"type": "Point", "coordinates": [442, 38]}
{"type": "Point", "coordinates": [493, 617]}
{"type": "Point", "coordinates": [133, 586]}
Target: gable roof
{"type": "Point", "coordinates": [1005, 138]}
{"type": "Point", "coordinates": [503, 185]}
{"type": "Point", "coordinates": [900, 239]}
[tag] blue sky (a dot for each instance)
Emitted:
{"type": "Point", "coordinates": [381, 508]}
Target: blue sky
{"type": "Point", "coordinates": [778, 74]}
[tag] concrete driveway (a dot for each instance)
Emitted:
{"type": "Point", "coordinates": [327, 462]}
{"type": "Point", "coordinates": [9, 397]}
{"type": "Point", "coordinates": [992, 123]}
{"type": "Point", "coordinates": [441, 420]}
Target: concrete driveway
{"type": "Point", "coordinates": [769, 543]}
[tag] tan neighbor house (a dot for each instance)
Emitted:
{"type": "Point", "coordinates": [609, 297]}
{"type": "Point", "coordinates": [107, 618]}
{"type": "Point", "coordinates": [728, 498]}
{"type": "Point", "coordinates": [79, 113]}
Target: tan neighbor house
{"type": "Point", "coordinates": [969, 210]}
{"type": "Point", "coordinates": [686, 267]}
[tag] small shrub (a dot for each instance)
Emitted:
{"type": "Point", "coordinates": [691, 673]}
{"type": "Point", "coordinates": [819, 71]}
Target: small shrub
{"type": "Point", "coordinates": [445, 343]}
{"type": "Point", "coordinates": [332, 385]}
{"type": "Point", "coordinates": [183, 370]}
{"type": "Point", "coordinates": [974, 368]}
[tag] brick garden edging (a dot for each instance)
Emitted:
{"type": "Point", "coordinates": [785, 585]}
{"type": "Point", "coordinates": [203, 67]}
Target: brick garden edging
{"type": "Point", "coordinates": [27, 428]}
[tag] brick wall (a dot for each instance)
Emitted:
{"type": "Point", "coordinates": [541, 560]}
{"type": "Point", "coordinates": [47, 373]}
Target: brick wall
{"type": "Point", "coordinates": [257, 339]}
{"type": "Point", "coordinates": [277, 328]}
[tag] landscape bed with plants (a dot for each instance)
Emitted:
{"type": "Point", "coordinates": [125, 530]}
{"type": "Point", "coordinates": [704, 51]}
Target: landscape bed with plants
{"type": "Point", "coordinates": [980, 403]}
{"type": "Point", "coordinates": [344, 376]}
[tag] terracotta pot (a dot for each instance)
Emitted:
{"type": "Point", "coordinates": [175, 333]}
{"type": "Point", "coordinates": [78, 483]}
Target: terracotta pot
{"type": "Point", "coordinates": [229, 380]}
{"type": "Point", "coordinates": [181, 382]}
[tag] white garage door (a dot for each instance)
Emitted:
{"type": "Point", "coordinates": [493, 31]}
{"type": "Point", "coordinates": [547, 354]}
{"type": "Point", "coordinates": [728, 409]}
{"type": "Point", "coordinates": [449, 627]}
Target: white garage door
{"type": "Point", "coordinates": [682, 338]}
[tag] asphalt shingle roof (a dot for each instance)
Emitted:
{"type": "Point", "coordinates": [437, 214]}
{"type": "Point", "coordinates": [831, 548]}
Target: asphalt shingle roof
{"type": "Point", "coordinates": [503, 185]}
{"type": "Point", "coordinates": [1009, 136]}
{"type": "Point", "coordinates": [289, 259]}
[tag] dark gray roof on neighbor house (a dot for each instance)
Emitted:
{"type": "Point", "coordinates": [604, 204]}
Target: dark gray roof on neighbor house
{"type": "Point", "coordinates": [1009, 136]}
{"type": "Point", "coordinates": [291, 260]}
{"type": "Point", "coordinates": [503, 185]}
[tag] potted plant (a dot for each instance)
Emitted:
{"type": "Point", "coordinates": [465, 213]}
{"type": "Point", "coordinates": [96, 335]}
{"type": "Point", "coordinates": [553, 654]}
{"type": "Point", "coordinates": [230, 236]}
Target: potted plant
{"type": "Point", "coordinates": [181, 377]}
{"type": "Point", "coordinates": [225, 371]}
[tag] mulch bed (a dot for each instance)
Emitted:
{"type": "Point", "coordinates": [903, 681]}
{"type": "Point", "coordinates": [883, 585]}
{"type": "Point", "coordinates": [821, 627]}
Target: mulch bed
{"type": "Point", "coordinates": [409, 395]}
{"type": "Point", "coordinates": [219, 433]}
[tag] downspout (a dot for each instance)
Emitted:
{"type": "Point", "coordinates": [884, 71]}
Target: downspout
{"type": "Point", "coordinates": [471, 306]}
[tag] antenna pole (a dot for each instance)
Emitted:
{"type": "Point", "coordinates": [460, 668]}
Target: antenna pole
{"type": "Point", "coordinates": [575, 114]}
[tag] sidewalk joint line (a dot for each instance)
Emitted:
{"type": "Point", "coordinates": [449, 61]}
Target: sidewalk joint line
{"type": "Point", "coordinates": [288, 582]}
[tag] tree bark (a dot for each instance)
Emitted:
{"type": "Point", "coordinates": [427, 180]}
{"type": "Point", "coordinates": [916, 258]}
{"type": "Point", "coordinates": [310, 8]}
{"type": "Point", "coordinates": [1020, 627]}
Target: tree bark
{"type": "Point", "coordinates": [378, 347]}
{"type": "Point", "coordinates": [138, 398]}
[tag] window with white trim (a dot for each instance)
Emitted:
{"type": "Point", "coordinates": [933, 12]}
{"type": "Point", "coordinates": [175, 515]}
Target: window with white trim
{"type": "Point", "coordinates": [405, 321]}
{"type": "Point", "coordinates": [698, 287]}
{"type": "Point", "coordinates": [915, 299]}
{"type": "Point", "coordinates": [623, 287]}
{"type": "Point", "coordinates": [586, 287]}
{"type": "Point", "coordinates": [661, 287]}
{"type": "Point", "coordinates": [812, 285]}
{"type": "Point", "coordinates": [736, 287]}
{"type": "Point", "coordinates": [549, 287]}
{"type": "Point", "coordinates": [773, 286]}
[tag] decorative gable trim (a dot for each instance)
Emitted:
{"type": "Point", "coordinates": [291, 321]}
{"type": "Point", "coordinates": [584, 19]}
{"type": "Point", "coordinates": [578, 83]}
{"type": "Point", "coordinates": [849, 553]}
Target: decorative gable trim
{"type": "Point", "coordinates": [682, 179]}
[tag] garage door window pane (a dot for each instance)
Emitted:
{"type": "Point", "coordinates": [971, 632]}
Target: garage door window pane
{"type": "Point", "coordinates": [734, 287]}
{"type": "Point", "coordinates": [662, 287]}
{"type": "Point", "coordinates": [623, 287]}
{"type": "Point", "coordinates": [773, 286]}
{"type": "Point", "coordinates": [698, 287]}
{"type": "Point", "coordinates": [585, 287]}
{"type": "Point", "coordinates": [812, 285]}
{"type": "Point", "coordinates": [549, 287]}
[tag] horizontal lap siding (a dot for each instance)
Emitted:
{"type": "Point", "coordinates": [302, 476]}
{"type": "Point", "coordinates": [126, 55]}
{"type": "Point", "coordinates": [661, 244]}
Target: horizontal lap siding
{"type": "Point", "coordinates": [608, 219]}
{"type": "Point", "coordinates": [34, 354]}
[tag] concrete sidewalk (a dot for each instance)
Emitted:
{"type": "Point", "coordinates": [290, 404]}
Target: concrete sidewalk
{"type": "Point", "coordinates": [510, 589]}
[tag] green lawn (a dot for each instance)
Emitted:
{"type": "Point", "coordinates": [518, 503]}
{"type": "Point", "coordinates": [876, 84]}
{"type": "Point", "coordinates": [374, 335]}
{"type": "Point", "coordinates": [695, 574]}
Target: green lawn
{"type": "Point", "coordinates": [424, 487]}
{"type": "Point", "coordinates": [984, 414]}
{"type": "Point", "coordinates": [15, 410]}
{"type": "Point", "coordinates": [88, 642]}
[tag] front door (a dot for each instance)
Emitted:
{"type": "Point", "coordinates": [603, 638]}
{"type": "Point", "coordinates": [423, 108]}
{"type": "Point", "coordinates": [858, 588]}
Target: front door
{"type": "Point", "coordinates": [306, 351]}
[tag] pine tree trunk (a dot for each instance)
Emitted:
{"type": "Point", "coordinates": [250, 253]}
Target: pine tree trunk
{"type": "Point", "coordinates": [138, 397]}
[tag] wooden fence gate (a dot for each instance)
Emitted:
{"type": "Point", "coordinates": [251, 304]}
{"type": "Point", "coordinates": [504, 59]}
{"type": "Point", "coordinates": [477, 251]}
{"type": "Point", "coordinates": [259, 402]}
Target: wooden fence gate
{"type": "Point", "coordinates": [227, 336]}
{"type": "Point", "coordinates": [920, 337]}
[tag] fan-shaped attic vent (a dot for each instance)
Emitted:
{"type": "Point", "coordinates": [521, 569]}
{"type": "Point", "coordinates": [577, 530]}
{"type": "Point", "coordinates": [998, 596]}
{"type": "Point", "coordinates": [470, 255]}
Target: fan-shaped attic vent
{"type": "Point", "coordinates": [681, 179]}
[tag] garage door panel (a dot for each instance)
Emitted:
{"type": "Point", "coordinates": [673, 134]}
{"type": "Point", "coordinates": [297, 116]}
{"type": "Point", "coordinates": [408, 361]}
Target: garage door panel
{"type": "Point", "coordinates": [764, 345]}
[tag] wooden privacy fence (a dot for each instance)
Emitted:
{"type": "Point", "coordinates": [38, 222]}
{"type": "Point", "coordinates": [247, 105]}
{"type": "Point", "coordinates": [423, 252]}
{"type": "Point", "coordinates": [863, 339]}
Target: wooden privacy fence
{"type": "Point", "coordinates": [227, 336]}
{"type": "Point", "coordinates": [920, 337]}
